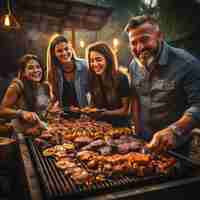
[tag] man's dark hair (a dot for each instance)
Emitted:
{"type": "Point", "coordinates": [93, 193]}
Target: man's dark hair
{"type": "Point", "coordinates": [134, 22]}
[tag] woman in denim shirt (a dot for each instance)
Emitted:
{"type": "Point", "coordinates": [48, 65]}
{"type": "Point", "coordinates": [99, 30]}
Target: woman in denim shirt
{"type": "Point", "coordinates": [66, 73]}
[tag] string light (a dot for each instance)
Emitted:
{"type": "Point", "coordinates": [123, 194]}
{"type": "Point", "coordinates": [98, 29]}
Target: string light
{"type": "Point", "coordinates": [8, 20]}
{"type": "Point", "coordinates": [82, 44]}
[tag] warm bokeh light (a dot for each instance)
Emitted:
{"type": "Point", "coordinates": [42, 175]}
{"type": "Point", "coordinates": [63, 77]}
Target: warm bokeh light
{"type": "Point", "coordinates": [82, 44]}
{"type": "Point", "coordinates": [115, 42]}
{"type": "Point", "coordinates": [7, 20]}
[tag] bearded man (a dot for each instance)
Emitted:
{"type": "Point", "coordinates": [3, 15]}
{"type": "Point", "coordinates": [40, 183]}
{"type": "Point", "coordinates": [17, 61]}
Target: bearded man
{"type": "Point", "coordinates": [167, 81]}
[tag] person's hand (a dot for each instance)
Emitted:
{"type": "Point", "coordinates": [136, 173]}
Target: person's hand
{"type": "Point", "coordinates": [33, 131]}
{"type": "Point", "coordinates": [74, 109]}
{"type": "Point", "coordinates": [55, 108]}
{"type": "Point", "coordinates": [30, 117]}
{"type": "Point", "coordinates": [162, 141]}
{"type": "Point", "coordinates": [99, 113]}
{"type": "Point", "coordinates": [103, 112]}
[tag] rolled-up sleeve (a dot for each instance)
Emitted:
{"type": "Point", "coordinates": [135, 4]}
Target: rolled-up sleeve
{"type": "Point", "coordinates": [192, 88]}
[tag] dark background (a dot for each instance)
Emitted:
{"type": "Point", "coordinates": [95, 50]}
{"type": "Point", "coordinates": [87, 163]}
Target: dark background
{"type": "Point", "coordinates": [179, 19]}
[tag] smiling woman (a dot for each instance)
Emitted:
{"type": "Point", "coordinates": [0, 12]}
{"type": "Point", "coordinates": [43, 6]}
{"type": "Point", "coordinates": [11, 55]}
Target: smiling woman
{"type": "Point", "coordinates": [67, 74]}
{"type": "Point", "coordinates": [33, 71]}
{"type": "Point", "coordinates": [28, 96]}
{"type": "Point", "coordinates": [108, 87]}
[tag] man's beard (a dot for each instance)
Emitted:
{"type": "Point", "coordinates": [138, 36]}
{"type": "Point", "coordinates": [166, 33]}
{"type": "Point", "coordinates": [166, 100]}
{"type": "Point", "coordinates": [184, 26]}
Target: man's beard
{"type": "Point", "coordinates": [147, 57]}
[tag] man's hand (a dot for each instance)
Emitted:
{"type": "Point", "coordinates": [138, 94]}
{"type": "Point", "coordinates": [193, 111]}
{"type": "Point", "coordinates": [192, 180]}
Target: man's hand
{"type": "Point", "coordinates": [162, 140]}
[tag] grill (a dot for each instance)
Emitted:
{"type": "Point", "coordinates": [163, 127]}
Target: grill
{"type": "Point", "coordinates": [56, 185]}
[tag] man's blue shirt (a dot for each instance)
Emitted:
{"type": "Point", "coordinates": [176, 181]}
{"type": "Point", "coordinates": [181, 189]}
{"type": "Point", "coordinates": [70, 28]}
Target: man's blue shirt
{"type": "Point", "coordinates": [170, 90]}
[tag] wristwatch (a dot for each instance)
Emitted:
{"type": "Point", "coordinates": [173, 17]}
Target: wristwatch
{"type": "Point", "coordinates": [176, 130]}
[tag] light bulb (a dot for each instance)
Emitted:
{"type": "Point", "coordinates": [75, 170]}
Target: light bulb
{"type": "Point", "coordinates": [115, 42]}
{"type": "Point", "coordinates": [7, 21]}
{"type": "Point", "coordinates": [82, 44]}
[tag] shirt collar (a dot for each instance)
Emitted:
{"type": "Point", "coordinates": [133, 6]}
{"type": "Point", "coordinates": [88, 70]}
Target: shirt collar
{"type": "Point", "coordinates": [163, 59]}
{"type": "Point", "coordinates": [78, 64]}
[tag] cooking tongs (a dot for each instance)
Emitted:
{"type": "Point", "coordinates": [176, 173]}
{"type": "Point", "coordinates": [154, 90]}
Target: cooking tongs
{"type": "Point", "coordinates": [42, 124]}
{"type": "Point", "coordinates": [186, 160]}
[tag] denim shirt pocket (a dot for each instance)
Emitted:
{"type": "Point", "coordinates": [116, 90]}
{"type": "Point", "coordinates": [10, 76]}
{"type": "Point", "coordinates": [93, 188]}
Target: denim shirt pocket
{"type": "Point", "coordinates": [142, 86]}
{"type": "Point", "coordinates": [163, 91]}
{"type": "Point", "coordinates": [163, 85]}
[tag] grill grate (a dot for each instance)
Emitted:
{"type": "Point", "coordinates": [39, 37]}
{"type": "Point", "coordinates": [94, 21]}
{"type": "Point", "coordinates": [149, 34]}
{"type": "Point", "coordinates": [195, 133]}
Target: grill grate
{"type": "Point", "coordinates": [57, 185]}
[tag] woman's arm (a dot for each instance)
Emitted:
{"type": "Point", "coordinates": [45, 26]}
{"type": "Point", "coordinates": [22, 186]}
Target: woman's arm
{"type": "Point", "coordinates": [122, 111]}
{"type": "Point", "coordinates": [10, 98]}
{"type": "Point", "coordinates": [9, 101]}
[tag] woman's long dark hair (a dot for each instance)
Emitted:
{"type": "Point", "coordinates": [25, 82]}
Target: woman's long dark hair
{"type": "Point", "coordinates": [56, 41]}
{"type": "Point", "coordinates": [54, 67]}
{"type": "Point", "coordinates": [29, 86]}
{"type": "Point", "coordinates": [103, 92]}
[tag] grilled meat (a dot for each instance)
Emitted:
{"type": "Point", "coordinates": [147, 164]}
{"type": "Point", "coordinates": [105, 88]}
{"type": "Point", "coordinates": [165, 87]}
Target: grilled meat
{"type": "Point", "coordinates": [82, 177]}
{"type": "Point", "coordinates": [65, 163]}
{"type": "Point", "coordinates": [86, 155]}
{"type": "Point", "coordinates": [94, 145]}
{"type": "Point", "coordinates": [105, 150]}
{"type": "Point", "coordinates": [82, 140]}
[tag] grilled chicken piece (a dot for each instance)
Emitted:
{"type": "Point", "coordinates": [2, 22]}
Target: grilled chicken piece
{"type": "Point", "coordinates": [86, 155]}
{"type": "Point", "coordinates": [83, 140]}
{"type": "Point", "coordinates": [92, 163]}
{"type": "Point", "coordinates": [65, 163]}
{"type": "Point", "coordinates": [94, 145]}
{"type": "Point", "coordinates": [107, 167]}
{"type": "Point", "coordinates": [138, 158]}
{"type": "Point", "coordinates": [81, 177]}
{"type": "Point", "coordinates": [60, 154]}
{"type": "Point", "coordinates": [71, 170]}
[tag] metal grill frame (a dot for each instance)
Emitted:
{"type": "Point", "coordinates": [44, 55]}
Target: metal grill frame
{"type": "Point", "coordinates": [56, 185]}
